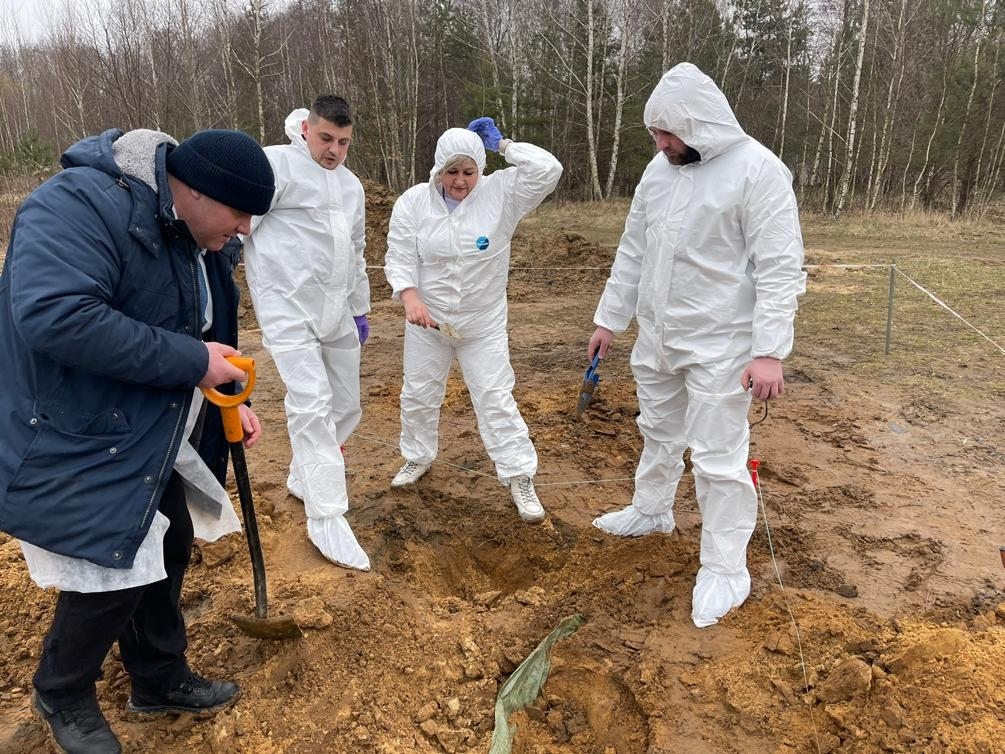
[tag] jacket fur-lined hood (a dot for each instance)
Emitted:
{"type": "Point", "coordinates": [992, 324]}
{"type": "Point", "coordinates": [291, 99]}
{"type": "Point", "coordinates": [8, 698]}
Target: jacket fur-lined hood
{"type": "Point", "coordinates": [116, 152]}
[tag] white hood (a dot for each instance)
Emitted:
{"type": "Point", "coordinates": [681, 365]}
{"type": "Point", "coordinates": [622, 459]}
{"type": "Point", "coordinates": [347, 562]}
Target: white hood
{"type": "Point", "coordinates": [688, 104]}
{"type": "Point", "coordinates": [457, 141]}
{"type": "Point", "coordinates": [294, 125]}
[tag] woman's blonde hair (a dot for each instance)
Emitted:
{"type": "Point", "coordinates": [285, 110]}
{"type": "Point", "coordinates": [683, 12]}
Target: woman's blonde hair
{"type": "Point", "coordinates": [455, 162]}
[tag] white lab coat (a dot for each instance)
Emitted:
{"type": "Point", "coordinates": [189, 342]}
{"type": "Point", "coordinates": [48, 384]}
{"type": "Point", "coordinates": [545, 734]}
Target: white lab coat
{"type": "Point", "coordinates": [710, 265]}
{"type": "Point", "coordinates": [307, 277]}
{"type": "Point", "coordinates": [459, 263]}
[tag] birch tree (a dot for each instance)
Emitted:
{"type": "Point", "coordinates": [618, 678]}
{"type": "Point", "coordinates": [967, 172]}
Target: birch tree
{"type": "Point", "coordinates": [853, 112]}
{"type": "Point", "coordinates": [956, 198]}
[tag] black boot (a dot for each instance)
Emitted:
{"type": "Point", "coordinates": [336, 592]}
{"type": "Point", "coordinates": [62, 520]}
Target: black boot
{"type": "Point", "coordinates": [79, 727]}
{"type": "Point", "coordinates": [195, 694]}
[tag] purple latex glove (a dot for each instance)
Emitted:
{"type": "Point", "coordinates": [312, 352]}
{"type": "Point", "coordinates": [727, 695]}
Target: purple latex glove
{"type": "Point", "coordinates": [363, 327]}
{"type": "Point", "coordinates": [486, 128]}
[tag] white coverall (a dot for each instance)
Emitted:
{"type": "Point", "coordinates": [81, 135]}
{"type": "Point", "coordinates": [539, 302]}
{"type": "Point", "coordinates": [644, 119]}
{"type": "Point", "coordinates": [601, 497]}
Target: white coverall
{"type": "Point", "coordinates": [307, 277]}
{"type": "Point", "coordinates": [459, 263]}
{"type": "Point", "coordinates": [710, 264]}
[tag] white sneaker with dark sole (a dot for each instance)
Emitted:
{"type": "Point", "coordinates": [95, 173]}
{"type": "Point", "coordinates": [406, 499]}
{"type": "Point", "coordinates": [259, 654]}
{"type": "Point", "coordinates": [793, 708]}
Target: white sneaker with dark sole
{"type": "Point", "coordinates": [410, 473]}
{"type": "Point", "coordinates": [521, 489]}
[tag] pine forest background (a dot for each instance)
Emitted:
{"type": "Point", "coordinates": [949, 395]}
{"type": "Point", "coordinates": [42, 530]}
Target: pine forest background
{"type": "Point", "coordinates": [884, 105]}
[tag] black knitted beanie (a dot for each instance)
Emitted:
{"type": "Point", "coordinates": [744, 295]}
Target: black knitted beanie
{"type": "Point", "coordinates": [228, 166]}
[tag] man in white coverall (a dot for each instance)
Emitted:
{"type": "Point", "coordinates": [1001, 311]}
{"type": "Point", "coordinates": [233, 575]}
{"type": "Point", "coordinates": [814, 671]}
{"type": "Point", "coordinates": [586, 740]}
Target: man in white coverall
{"type": "Point", "coordinates": [308, 282]}
{"type": "Point", "coordinates": [710, 264]}
{"type": "Point", "coordinates": [448, 250]}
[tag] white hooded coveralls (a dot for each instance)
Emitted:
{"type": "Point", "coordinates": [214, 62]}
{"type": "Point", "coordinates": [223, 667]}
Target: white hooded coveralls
{"type": "Point", "coordinates": [710, 265]}
{"type": "Point", "coordinates": [459, 263]}
{"type": "Point", "coordinates": [307, 277]}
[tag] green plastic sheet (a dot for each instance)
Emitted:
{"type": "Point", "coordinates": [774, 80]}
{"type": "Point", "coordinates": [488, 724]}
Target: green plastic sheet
{"type": "Point", "coordinates": [525, 684]}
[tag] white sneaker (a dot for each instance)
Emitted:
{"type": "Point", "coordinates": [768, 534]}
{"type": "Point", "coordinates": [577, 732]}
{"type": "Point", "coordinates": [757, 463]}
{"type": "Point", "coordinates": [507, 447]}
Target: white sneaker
{"type": "Point", "coordinates": [521, 489]}
{"type": "Point", "coordinates": [409, 473]}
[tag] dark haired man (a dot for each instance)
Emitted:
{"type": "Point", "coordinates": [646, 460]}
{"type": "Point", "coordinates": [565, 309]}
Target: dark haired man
{"type": "Point", "coordinates": [116, 303]}
{"type": "Point", "coordinates": [308, 281]}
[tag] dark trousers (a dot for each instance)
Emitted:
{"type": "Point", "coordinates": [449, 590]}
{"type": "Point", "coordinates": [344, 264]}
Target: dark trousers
{"type": "Point", "coordinates": [146, 620]}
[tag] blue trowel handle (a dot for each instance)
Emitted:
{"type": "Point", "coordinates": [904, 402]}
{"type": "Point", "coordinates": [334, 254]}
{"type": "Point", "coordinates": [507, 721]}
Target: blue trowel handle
{"type": "Point", "coordinates": [591, 373]}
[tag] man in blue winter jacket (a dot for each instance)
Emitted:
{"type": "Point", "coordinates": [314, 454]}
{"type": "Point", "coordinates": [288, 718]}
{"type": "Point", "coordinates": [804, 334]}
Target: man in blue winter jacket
{"type": "Point", "coordinates": [116, 304]}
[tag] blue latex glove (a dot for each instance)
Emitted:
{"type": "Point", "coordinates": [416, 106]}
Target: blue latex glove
{"type": "Point", "coordinates": [486, 128]}
{"type": "Point", "coordinates": [362, 327]}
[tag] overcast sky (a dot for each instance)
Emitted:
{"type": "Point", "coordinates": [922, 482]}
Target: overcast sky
{"type": "Point", "coordinates": [27, 14]}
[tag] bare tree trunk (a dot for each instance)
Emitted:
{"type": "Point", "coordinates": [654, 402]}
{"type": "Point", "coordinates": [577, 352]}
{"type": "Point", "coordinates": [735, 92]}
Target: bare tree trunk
{"type": "Point", "coordinates": [803, 169]}
{"type": "Point", "coordinates": [780, 138]}
{"type": "Point", "coordinates": [514, 64]}
{"type": "Point", "coordinates": [391, 82]}
{"type": "Point", "coordinates": [665, 29]}
{"type": "Point", "coordinates": [931, 138]}
{"type": "Point", "coordinates": [994, 174]}
{"type": "Point", "coordinates": [982, 200]}
{"type": "Point", "coordinates": [732, 50]}
{"type": "Point", "coordinates": [190, 47]}
{"type": "Point", "coordinates": [751, 55]}
{"type": "Point", "coordinates": [853, 112]}
{"type": "Point", "coordinates": [378, 102]}
{"type": "Point", "coordinates": [889, 115]}
{"type": "Point", "coordinates": [619, 100]}
{"type": "Point", "coordinates": [831, 130]}
{"type": "Point", "coordinates": [827, 125]}
{"type": "Point", "coordinates": [869, 111]}
{"type": "Point", "coordinates": [155, 84]}
{"type": "Point", "coordinates": [907, 168]}
{"type": "Point", "coordinates": [7, 140]}
{"type": "Point", "coordinates": [954, 210]}
{"type": "Point", "coordinates": [227, 61]}
{"type": "Point", "coordinates": [257, 9]}
{"type": "Point", "coordinates": [413, 135]}
{"type": "Point", "coordinates": [494, 64]}
{"type": "Point", "coordinates": [591, 136]}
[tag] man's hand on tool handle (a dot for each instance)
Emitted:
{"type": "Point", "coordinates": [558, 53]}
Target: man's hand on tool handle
{"type": "Point", "coordinates": [220, 371]}
{"type": "Point", "coordinates": [599, 343]}
{"type": "Point", "coordinates": [763, 377]}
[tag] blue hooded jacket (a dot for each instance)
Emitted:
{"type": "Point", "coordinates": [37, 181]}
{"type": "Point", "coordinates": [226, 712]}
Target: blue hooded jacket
{"type": "Point", "coordinates": [99, 327]}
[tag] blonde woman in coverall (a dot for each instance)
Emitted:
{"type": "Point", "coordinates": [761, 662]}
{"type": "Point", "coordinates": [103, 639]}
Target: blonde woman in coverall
{"type": "Point", "coordinates": [710, 265]}
{"type": "Point", "coordinates": [308, 282]}
{"type": "Point", "coordinates": [448, 251]}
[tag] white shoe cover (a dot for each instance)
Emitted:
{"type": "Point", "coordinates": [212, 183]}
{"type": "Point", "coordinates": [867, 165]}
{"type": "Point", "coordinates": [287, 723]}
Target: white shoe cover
{"type": "Point", "coordinates": [715, 594]}
{"type": "Point", "coordinates": [333, 537]}
{"type": "Point", "coordinates": [631, 522]}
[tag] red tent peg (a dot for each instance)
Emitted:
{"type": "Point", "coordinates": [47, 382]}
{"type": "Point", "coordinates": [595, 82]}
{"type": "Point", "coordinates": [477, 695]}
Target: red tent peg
{"type": "Point", "coordinates": [753, 463]}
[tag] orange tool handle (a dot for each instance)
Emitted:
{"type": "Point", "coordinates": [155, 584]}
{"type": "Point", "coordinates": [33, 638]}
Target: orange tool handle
{"type": "Point", "coordinates": [228, 403]}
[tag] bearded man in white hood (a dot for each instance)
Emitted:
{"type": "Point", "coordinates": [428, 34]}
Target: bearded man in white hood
{"type": "Point", "coordinates": [710, 265]}
{"type": "Point", "coordinates": [308, 282]}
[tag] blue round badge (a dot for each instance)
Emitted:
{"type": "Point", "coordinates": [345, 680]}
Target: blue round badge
{"type": "Point", "coordinates": [481, 243]}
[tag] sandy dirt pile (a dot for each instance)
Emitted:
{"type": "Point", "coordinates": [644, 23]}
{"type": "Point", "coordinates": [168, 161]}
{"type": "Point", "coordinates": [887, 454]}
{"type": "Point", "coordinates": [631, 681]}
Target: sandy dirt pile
{"type": "Point", "coordinates": [887, 636]}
